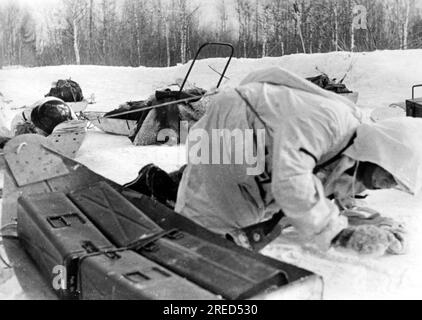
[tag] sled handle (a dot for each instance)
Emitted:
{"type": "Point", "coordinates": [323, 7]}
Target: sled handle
{"type": "Point", "coordinates": [197, 54]}
{"type": "Point", "coordinates": [413, 90]}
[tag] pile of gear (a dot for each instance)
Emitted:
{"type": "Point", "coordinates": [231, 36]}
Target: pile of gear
{"type": "Point", "coordinates": [150, 120]}
{"type": "Point", "coordinates": [326, 83]}
{"type": "Point", "coordinates": [46, 114]}
{"type": "Point", "coordinates": [66, 90]}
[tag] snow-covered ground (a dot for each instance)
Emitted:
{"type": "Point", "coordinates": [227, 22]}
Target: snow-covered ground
{"type": "Point", "coordinates": [380, 77]}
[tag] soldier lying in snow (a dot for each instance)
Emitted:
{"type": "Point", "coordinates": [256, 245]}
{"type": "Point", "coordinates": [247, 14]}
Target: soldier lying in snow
{"type": "Point", "coordinates": [42, 117]}
{"type": "Point", "coordinates": [318, 157]}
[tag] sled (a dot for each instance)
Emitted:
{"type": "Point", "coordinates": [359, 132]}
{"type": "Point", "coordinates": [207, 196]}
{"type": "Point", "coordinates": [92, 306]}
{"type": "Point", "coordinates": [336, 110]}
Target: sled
{"type": "Point", "coordinates": [217, 269]}
{"type": "Point", "coordinates": [63, 241]}
{"type": "Point", "coordinates": [115, 126]}
{"type": "Point", "coordinates": [222, 74]}
{"type": "Point", "coordinates": [53, 172]}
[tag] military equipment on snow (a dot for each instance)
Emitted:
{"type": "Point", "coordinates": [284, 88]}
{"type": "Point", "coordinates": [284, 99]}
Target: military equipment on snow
{"type": "Point", "coordinates": [184, 248]}
{"type": "Point", "coordinates": [414, 105]}
{"type": "Point", "coordinates": [67, 90]}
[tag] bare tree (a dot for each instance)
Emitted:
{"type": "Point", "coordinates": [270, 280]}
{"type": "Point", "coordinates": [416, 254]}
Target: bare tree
{"type": "Point", "coordinates": [183, 16]}
{"type": "Point", "coordinates": [244, 14]}
{"type": "Point", "coordinates": [10, 30]}
{"type": "Point", "coordinates": [165, 32]}
{"type": "Point", "coordinates": [28, 38]}
{"type": "Point", "coordinates": [335, 40]}
{"type": "Point", "coordinates": [267, 24]}
{"type": "Point", "coordinates": [223, 18]}
{"type": "Point", "coordinates": [297, 13]}
{"type": "Point", "coordinates": [91, 30]}
{"type": "Point", "coordinates": [76, 11]}
{"type": "Point", "coordinates": [406, 24]}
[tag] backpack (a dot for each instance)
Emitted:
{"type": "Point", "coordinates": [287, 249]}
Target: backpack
{"type": "Point", "coordinates": [67, 90]}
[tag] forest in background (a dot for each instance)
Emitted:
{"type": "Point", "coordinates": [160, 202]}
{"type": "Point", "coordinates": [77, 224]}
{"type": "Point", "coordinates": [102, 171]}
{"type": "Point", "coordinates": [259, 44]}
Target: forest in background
{"type": "Point", "coordinates": [160, 33]}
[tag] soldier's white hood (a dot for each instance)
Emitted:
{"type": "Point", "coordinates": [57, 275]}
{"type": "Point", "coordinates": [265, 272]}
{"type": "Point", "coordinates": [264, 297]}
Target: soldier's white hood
{"type": "Point", "coordinates": [396, 146]}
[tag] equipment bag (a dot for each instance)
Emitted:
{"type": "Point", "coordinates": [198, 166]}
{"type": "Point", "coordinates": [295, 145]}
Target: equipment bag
{"type": "Point", "coordinates": [67, 90]}
{"type": "Point", "coordinates": [216, 268]}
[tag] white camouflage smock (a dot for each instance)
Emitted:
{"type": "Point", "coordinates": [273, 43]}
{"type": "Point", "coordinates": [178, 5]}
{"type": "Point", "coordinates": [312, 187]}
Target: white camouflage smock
{"type": "Point", "coordinates": [305, 126]}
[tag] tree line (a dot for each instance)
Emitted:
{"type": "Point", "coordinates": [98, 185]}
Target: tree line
{"type": "Point", "coordinates": [166, 32]}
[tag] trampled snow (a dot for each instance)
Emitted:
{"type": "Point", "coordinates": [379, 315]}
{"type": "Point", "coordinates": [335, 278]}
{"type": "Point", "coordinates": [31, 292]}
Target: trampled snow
{"type": "Point", "coordinates": [380, 77]}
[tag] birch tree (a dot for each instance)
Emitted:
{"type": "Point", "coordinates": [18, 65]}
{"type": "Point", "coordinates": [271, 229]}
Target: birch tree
{"type": "Point", "coordinates": [406, 24]}
{"type": "Point", "coordinates": [76, 11]}
{"type": "Point", "coordinates": [223, 18]}
{"type": "Point", "coordinates": [297, 13]}
{"type": "Point", "coordinates": [267, 25]}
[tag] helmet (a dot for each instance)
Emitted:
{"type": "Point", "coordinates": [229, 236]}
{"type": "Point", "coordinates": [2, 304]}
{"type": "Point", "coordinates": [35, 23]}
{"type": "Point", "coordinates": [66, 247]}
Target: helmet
{"type": "Point", "coordinates": [49, 114]}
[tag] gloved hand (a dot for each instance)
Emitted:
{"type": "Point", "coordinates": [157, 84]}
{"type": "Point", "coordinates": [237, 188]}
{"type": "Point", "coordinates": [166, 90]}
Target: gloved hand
{"type": "Point", "coordinates": [370, 233]}
{"type": "Point", "coordinates": [365, 239]}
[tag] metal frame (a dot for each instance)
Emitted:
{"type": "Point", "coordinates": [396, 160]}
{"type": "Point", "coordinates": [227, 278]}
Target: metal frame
{"type": "Point", "coordinates": [413, 90]}
{"type": "Point", "coordinates": [196, 57]}
{"type": "Point", "coordinates": [165, 104]}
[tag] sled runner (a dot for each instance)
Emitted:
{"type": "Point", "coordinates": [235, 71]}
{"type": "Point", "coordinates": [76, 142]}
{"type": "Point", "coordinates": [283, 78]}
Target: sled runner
{"type": "Point", "coordinates": [59, 176]}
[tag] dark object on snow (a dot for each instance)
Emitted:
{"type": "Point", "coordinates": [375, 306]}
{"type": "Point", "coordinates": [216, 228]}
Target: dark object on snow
{"type": "Point", "coordinates": [58, 235]}
{"type": "Point", "coordinates": [324, 82]}
{"type": "Point", "coordinates": [129, 276]}
{"type": "Point", "coordinates": [151, 121]}
{"type": "Point", "coordinates": [131, 106]}
{"type": "Point", "coordinates": [169, 117]}
{"type": "Point", "coordinates": [3, 141]}
{"type": "Point", "coordinates": [67, 90]}
{"type": "Point", "coordinates": [50, 114]}
{"type": "Point", "coordinates": [218, 269]}
{"type": "Point", "coordinates": [55, 233]}
{"type": "Point", "coordinates": [414, 106]}
{"type": "Point", "coordinates": [156, 183]}
{"type": "Point", "coordinates": [25, 128]}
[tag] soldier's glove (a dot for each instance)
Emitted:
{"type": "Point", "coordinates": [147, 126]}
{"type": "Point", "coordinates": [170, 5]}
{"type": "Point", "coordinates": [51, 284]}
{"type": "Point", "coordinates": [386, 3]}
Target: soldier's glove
{"type": "Point", "coordinates": [370, 233]}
